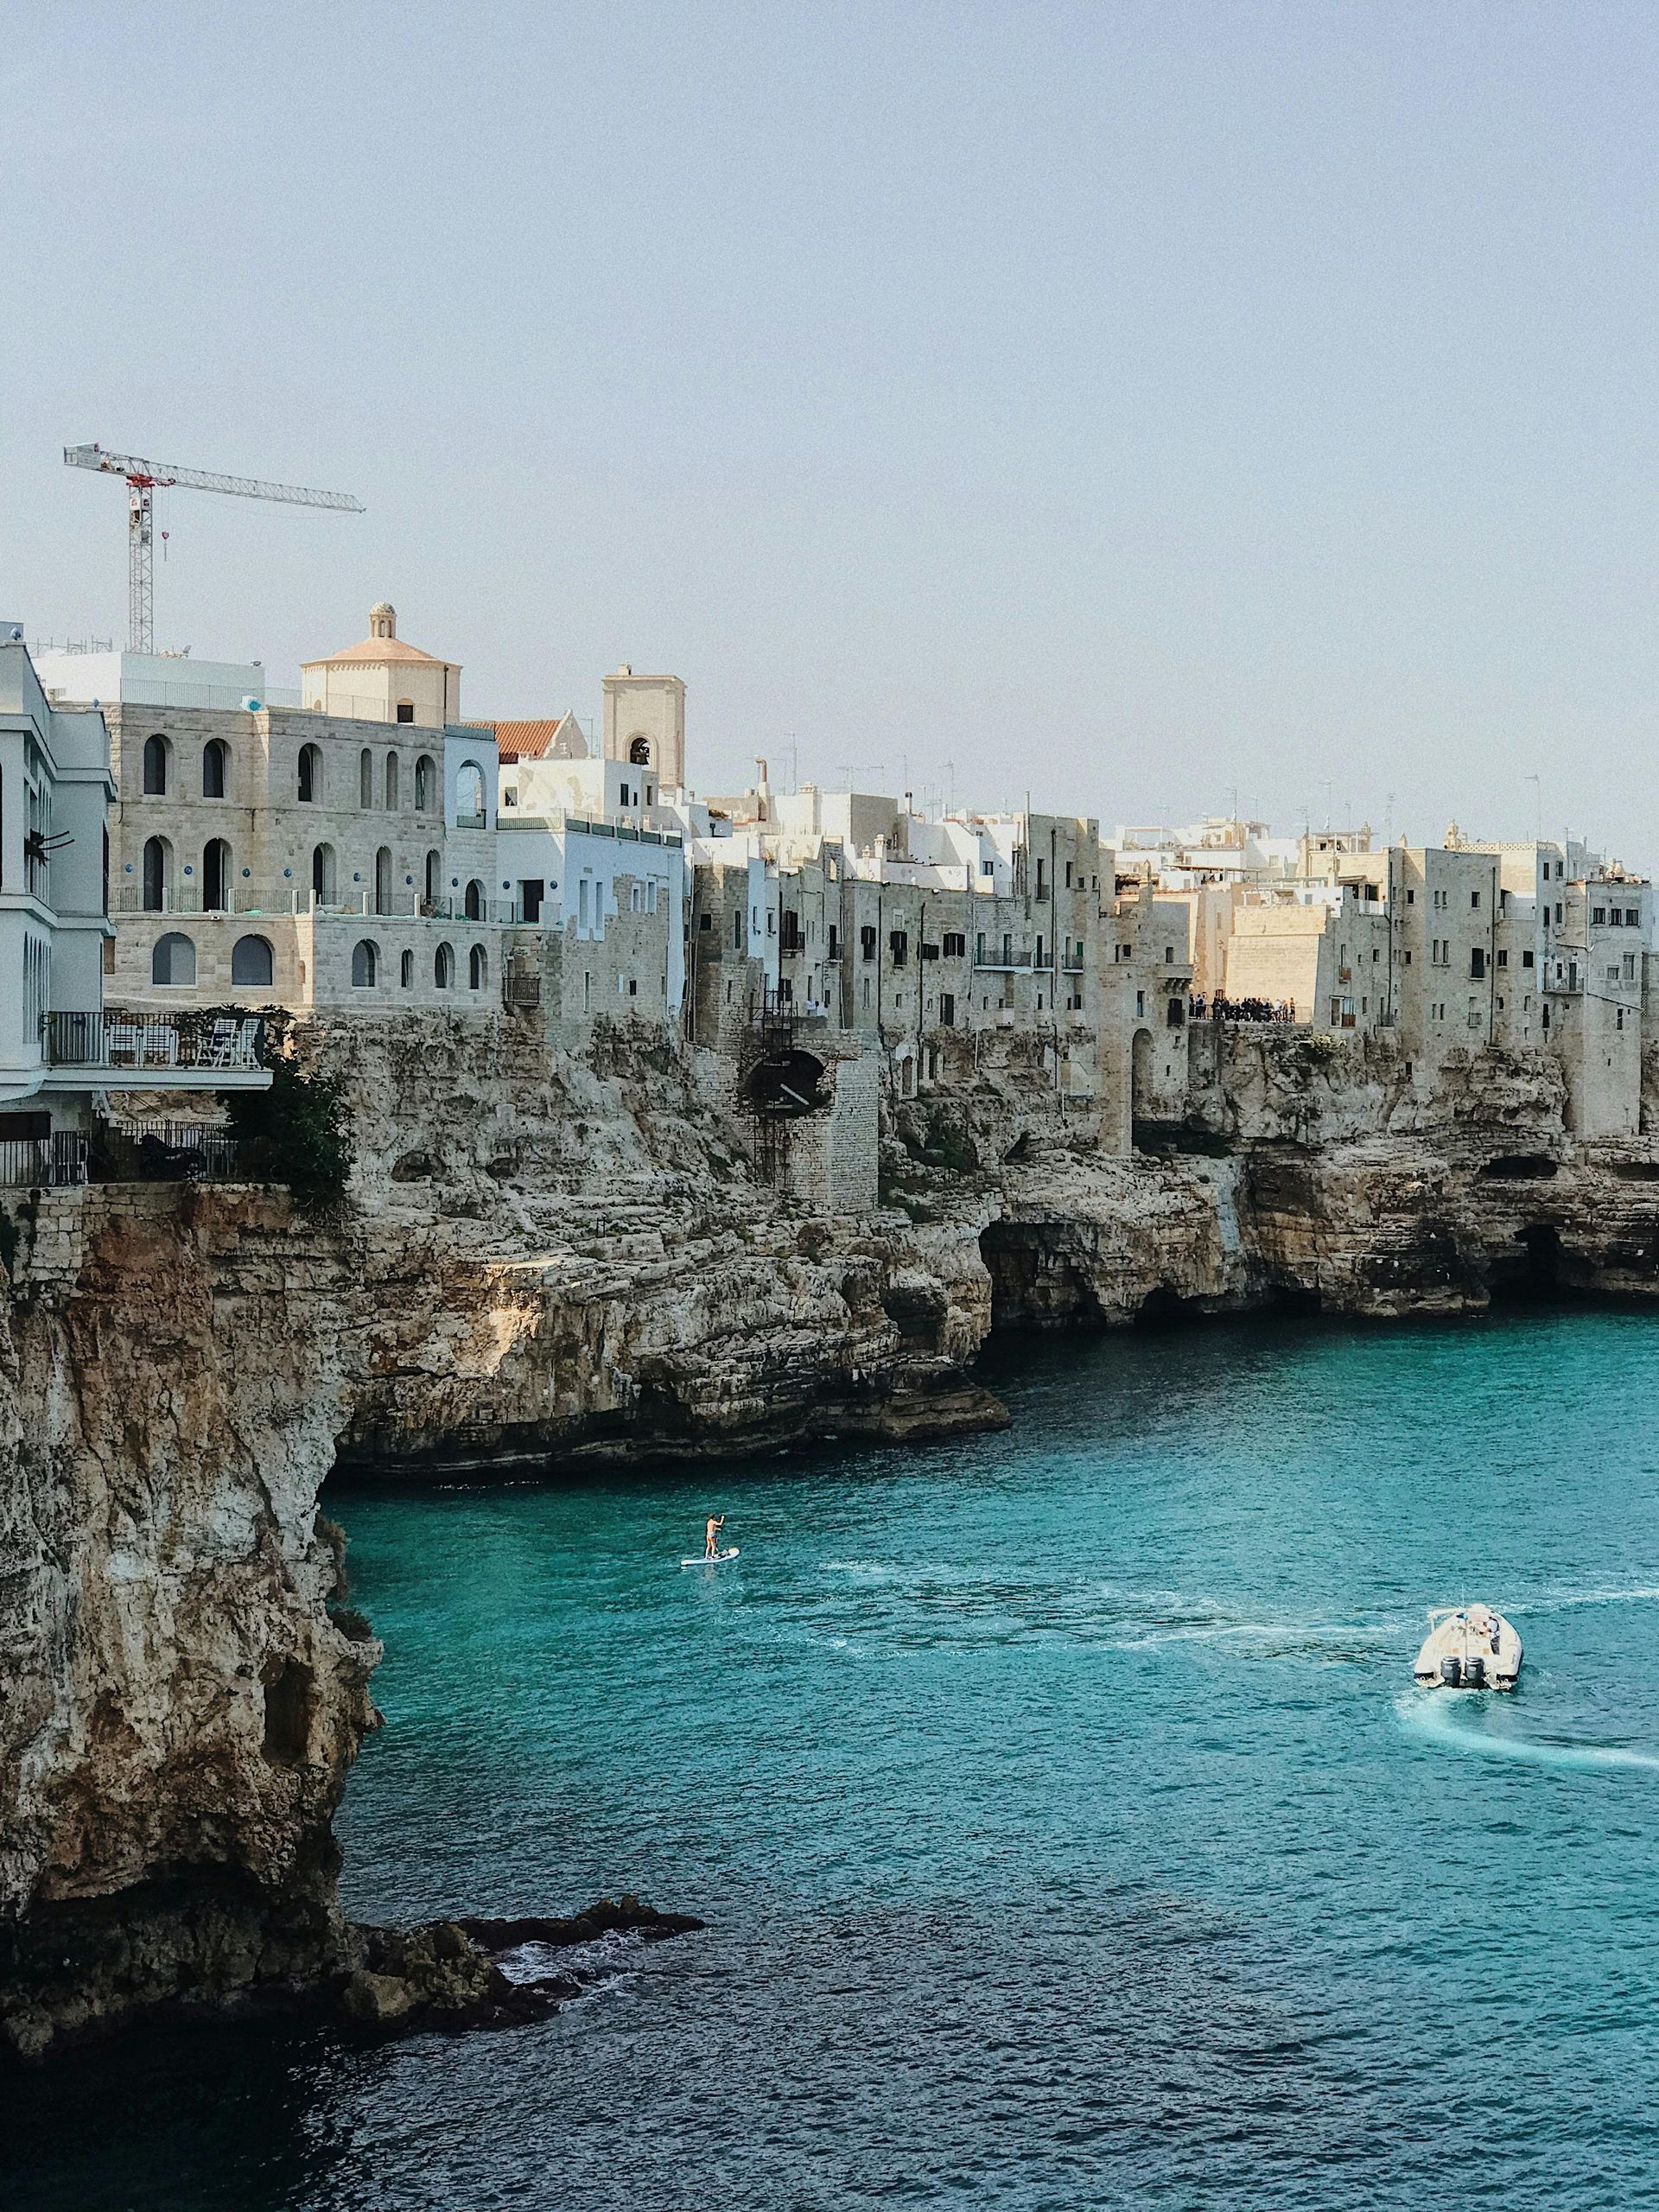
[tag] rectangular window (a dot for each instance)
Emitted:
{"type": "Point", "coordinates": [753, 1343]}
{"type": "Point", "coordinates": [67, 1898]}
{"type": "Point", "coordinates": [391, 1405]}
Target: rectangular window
{"type": "Point", "coordinates": [1008, 951]}
{"type": "Point", "coordinates": [1502, 959]}
{"type": "Point", "coordinates": [948, 1009]}
{"type": "Point", "coordinates": [1068, 875]}
{"type": "Point", "coordinates": [835, 947]}
{"type": "Point", "coordinates": [955, 944]}
{"type": "Point", "coordinates": [1477, 962]}
{"type": "Point", "coordinates": [1527, 960]}
{"type": "Point", "coordinates": [867, 942]}
{"type": "Point", "coordinates": [737, 932]}
{"type": "Point", "coordinates": [1474, 901]}
{"type": "Point", "coordinates": [1140, 1002]}
{"type": "Point", "coordinates": [582, 903]}
{"type": "Point", "coordinates": [1599, 917]}
{"type": "Point", "coordinates": [899, 946]}
{"type": "Point", "coordinates": [979, 947]}
{"type": "Point", "coordinates": [1411, 898]}
{"type": "Point", "coordinates": [1632, 916]}
{"type": "Point", "coordinates": [1040, 952]}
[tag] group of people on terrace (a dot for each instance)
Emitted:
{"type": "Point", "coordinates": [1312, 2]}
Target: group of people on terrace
{"type": "Point", "coordinates": [1220, 1007]}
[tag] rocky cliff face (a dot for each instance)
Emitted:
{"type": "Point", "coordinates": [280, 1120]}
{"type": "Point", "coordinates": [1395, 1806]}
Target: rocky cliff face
{"type": "Point", "coordinates": [549, 1259]}
{"type": "Point", "coordinates": [177, 1708]}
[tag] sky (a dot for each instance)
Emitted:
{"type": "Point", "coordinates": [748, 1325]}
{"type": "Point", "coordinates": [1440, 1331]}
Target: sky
{"type": "Point", "coordinates": [1150, 407]}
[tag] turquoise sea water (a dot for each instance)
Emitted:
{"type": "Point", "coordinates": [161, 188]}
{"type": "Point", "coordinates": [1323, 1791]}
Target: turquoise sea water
{"type": "Point", "coordinates": [1069, 1830]}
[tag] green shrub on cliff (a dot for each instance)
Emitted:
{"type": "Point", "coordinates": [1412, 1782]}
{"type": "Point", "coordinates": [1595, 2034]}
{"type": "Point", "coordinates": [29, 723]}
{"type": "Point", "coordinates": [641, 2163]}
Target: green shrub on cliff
{"type": "Point", "coordinates": [297, 1133]}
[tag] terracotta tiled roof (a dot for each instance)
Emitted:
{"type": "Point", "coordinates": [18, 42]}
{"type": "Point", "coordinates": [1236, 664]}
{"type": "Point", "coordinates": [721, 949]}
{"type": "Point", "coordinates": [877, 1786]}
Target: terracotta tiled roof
{"type": "Point", "coordinates": [377, 649]}
{"type": "Point", "coordinates": [535, 741]}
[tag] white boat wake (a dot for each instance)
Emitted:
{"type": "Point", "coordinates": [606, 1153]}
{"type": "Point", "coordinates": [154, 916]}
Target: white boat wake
{"type": "Point", "coordinates": [1447, 1719]}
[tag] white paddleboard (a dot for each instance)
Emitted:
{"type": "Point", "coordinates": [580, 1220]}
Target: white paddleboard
{"type": "Point", "coordinates": [719, 1559]}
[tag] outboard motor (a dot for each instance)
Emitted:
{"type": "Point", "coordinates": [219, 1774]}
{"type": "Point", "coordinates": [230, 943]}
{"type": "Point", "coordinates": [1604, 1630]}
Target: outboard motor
{"type": "Point", "coordinates": [1474, 1673]}
{"type": "Point", "coordinates": [1452, 1672]}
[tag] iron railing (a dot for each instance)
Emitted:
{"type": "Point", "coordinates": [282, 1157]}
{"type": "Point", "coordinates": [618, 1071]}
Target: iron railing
{"type": "Point", "coordinates": [43, 1163]}
{"type": "Point", "coordinates": [176, 1152]}
{"type": "Point", "coordinates": [119, 1038]}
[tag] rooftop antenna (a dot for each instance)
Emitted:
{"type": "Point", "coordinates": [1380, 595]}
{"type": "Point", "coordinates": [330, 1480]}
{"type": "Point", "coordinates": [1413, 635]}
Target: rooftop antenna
{"type": "Point", "coordinates": [146, 477]}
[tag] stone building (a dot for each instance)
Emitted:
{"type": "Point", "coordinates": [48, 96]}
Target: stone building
{"type": "Point", "coordinates": [1323, 952]}
{"type": "Point", "coordinates": [279, 857]}
{"type": "Point", "coordinates": [384, 679]}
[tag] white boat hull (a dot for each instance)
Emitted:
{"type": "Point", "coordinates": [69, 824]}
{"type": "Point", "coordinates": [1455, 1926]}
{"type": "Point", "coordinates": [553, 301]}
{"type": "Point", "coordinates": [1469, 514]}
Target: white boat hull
{"type": "Point", "coordinates": [1469, 1647]}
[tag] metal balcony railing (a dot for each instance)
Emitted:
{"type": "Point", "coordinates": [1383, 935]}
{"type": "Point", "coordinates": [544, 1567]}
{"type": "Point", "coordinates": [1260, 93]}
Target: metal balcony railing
{"type": "Point", "coordinates": [117, 1038]}
{"type": "Point", "coordinates": [43, 1163]}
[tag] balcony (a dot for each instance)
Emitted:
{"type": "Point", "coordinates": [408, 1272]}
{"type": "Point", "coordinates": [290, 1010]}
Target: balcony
{"type": "Point", "coordinates": [116, 1041]}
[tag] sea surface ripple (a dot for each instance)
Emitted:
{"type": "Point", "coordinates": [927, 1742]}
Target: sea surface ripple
{"type": "Point", "coordinates": [1070, 1831]}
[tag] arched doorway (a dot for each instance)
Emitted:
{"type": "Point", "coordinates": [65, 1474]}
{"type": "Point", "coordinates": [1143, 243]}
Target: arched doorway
{"type": "Point", "coordinates": [1141, 1075]}
{"type": "Point", "coordinates": [383, 881]}
{"type": "Point", "coordinates": [215, 876]}
{"type": "Point", "coordinates": [322, 874]}
{"type": "Point", "coordinates": [158, 866]}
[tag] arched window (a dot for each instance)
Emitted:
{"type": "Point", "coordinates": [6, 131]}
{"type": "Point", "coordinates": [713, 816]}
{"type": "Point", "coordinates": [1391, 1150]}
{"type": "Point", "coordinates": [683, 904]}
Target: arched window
{"type": "Point", "coordinates": [251, 962]}
{"type": "Point", "coordinates": [426, 785]}
{"type": "Point", "coordinates": [215, 876]}
{"type": "Point", "coordinates": [406, 971]}
{"type": "Point", "coordinates": [310, 776]}
{"type": "Point", "coordinates": [469, 795]}
{"type": "Point", "coordinates": [158, 857]}
{"type": "Point", "coordinates": [322, 874]}
{"type": "Point", "coordinates": [364, 961]}
{"type": "Point", "coordinates": [434, 871]}
{"type": "Point", "coordinates": [474, 902]}
{"type": "Point", "coordinates": [155, 767]}
{"type": "Point", "coordinates": [173, 960]}
{"type": "Point", "coordinates": [215, 768]}
{"type": "Point", "coordinates": [392, 799]}
{"type": "Point", "coordinates": [383, 881]}
{"type": "Point", "coordinates": [478, 968]}
{"type": "Point", "coordinates": [639, 752]}
{"type": "Point", "coordinates": [366, 780]}
{"type": "Point", "coordinates": [443, 968]}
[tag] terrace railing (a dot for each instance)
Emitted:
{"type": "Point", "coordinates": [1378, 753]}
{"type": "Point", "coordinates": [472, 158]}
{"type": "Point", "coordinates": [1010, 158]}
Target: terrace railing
{"type": "Point", "coordinates": [43, 1163]}
{"type": "Point", "coordinates": [119, 1038]}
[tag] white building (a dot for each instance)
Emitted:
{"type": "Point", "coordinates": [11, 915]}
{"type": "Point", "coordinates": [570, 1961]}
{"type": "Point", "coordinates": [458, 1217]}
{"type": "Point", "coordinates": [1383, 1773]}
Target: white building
{"type": "Point", "coordinates": [56, 788]}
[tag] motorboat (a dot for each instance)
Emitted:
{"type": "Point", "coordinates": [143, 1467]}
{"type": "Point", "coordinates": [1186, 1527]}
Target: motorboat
{"type": "Point", "coordinates": [1468, 1648]}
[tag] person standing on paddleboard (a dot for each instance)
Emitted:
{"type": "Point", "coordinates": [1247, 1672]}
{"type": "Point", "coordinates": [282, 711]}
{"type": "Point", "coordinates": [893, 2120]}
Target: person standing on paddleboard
{"type": "Point", "coordinates": [711, 1536]}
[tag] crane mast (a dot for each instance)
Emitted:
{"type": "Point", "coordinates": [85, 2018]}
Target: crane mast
{"type": "Point", "coordinates": [143, 480]}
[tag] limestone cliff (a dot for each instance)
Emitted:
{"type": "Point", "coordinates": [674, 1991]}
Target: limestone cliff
{"type": "Point", "coordinates": [545, 1260]}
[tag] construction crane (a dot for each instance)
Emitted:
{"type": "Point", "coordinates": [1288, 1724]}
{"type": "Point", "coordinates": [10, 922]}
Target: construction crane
{"type": "Point", "coordinates": [144, 479]}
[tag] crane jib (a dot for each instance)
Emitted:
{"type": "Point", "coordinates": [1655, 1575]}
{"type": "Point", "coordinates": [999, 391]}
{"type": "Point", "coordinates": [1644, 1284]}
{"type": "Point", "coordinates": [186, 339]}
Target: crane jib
{"type": "Point", "coordinates": [143, 477]}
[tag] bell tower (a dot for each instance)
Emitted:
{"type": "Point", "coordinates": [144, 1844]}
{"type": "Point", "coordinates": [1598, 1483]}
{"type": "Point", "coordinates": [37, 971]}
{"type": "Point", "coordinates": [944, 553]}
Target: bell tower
{"type": "Point", "coordinates": [645, 725]}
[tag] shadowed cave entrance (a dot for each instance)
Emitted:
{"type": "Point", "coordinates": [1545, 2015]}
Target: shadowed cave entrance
{"type": "Point", "coordinates": [1530, 1273]}
{"type": "Point", "coordinates": [1035, 1281]}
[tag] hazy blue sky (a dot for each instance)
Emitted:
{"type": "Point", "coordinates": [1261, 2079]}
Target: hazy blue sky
{"type": "Point", "coordinates": [1137, 402]}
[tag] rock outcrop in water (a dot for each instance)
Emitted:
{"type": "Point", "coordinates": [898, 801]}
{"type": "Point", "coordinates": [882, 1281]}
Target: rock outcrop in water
{"type": "Point", "coordinates": [545, 1260]}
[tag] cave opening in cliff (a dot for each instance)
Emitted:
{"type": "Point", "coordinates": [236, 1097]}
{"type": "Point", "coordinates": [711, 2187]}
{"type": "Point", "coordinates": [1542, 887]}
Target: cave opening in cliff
{"type": "Point", "coordinates": [1034, 1284]}
{"type": "Point", "coordinates": [1531, 1273]}
{"type": "Point", "coordinates": [1167, 1309]}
